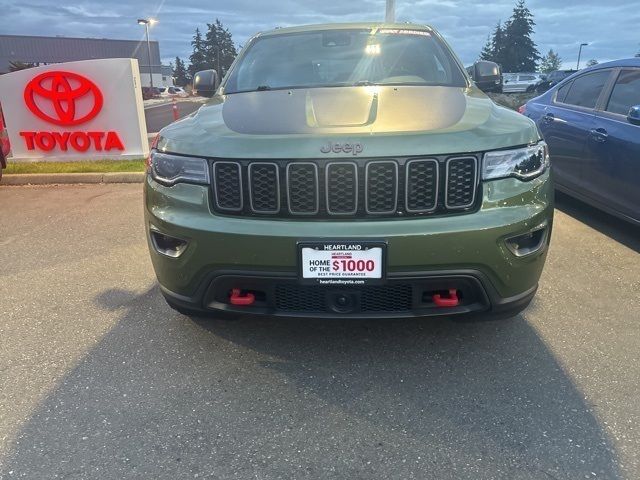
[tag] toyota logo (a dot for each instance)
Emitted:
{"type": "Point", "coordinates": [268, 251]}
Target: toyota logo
{"type": "Point", "coordinates": [55, 98]}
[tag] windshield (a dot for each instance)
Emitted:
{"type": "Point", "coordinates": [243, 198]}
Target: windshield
{"type": "Point", "coordinates": [345, 57]}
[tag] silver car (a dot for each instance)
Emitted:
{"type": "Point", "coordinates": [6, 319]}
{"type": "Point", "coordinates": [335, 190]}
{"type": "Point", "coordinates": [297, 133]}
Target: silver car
{"type": "Point", "coordinates": [521, 82]}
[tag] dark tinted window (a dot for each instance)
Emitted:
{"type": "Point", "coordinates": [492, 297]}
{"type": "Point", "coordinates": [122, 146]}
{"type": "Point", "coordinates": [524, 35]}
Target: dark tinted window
{"type": "Point", "coordinates": [626, 92]}
{"type": "Point", "coordinates": [585, 90]}
{"type": "Point", "coordinates": [562, 92]}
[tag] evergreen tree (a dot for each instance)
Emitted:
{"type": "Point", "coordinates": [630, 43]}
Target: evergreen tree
{"type": "Point", "coordinates": [219, 47]}
{"type": "Point", "coordinates": [520, 52]}
{"type": "Point", "coordinates": [592, 62]}
{"type": "Point", "coordinates": [488, 50]}
{"type": "Point", "coordinates": [180, 73]}
{"type": "Point", "coordinates": [499, 45]}
{"type": "Point", "coordinates": [494, 49]}
{"type": "Point", "coordinates": [550, 62]}
{"type": "Point", "coordinates": [198, 57]}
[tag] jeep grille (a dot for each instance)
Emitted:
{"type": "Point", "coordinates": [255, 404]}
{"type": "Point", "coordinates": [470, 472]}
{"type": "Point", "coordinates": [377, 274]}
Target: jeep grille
{"type": "Point", "coordinates": [345, 188]}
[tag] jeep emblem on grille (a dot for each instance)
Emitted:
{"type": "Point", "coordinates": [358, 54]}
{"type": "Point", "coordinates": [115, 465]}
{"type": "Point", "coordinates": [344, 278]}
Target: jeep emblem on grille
{"type": "Point", "coordinates": [352, 148]}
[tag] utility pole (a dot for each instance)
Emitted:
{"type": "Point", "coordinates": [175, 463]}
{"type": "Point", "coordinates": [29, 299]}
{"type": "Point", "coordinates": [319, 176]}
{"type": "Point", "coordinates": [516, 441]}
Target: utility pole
{"type": "Point", "coordinates": [390, 16]}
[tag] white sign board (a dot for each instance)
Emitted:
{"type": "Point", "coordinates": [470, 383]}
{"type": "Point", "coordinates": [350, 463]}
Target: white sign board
{"type": "Point", "coordinates": [78, 110]}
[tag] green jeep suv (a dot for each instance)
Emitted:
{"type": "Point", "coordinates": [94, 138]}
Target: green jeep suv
{"type": "Point", "coordinates": [349, 170]}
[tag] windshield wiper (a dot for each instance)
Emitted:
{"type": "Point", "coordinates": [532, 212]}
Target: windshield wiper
{"type": "Point", "coordinates": [262, 88]}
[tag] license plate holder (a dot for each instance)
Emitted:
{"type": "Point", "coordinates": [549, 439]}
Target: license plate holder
{"type": "Point", "coordinates": [349, 263]}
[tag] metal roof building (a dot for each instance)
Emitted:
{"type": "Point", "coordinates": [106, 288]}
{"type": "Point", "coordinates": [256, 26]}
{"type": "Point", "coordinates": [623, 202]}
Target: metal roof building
{"type": "Point", "coordinates": [46, 50]}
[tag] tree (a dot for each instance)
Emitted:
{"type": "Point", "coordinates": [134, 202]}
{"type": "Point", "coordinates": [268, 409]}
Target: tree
{"type": "Point", "coordinates": [219, 47]}
{"type": "Point", "coordinates": [520, 52]}
{"type": "Point", "coordinates": [550, 62]}
{"type": "Point", "coordinates": [198, 57]}
{"type": "Point", "coordinates": [494, 49]}
{"type": "Point", "coordinates": [180, 73]}
{"type": "Point", "coordinates": [488, 50]}
{"type": "Point", "coordinates": [592, 62]}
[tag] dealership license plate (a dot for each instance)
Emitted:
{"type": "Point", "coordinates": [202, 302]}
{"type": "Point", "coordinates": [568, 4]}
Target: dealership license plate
{"type": "Point", "coordinates": [342, 263]}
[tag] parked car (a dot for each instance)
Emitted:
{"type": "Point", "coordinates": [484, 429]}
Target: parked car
{"type": "Point", "coordinates": [4, 144]}
{"type": "Point", "coordinates": [521, 82]}
{"type": "Point", "coordinates": [148, 93]}
{"type": "Point", "coordinates": [361, 175]}
{"type": "Point", "coordinates": [553, 78]}
{"type": "Point", "coordinates": [173, 92]}
{"type": "Point", "coordinates": [591, 122]}
{"type": "Point", "coordinates": [488, 75]}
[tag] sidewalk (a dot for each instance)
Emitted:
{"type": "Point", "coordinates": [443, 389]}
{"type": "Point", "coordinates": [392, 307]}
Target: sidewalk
{"type": "Point", "coordinates": [71, 178]}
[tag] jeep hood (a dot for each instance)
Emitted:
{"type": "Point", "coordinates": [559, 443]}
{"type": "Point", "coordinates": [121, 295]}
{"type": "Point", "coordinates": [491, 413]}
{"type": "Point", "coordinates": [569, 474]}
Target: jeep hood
{"type": "Point", "coordinates": [385, 120]}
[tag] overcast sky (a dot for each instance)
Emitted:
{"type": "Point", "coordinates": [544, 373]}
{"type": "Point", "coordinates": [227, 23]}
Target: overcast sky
{"type": "Point", "coordinates": [610, 26]}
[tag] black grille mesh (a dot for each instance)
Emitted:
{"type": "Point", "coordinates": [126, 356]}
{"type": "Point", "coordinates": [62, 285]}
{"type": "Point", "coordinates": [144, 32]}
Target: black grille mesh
{"type": "Point", "coordinates": [373, 298]}
{"type": "Point", "coordinates": [297, 298]}
{"type": "Point", "coordinates": [228, 185]}
{"type": "Point", "coordinates": [382, 187]}
{"type": "Point", "coordinates": [303, 188]}
{"type": "Point", "coordinates": [264, 187]}
{"type": "Point", "coordinates": [391, 298]}
{"type": "Point", "coordinates": [461, 174]}
{"type": "Point", "coordinates": [342, 193]}
{"type": "Point", "coordinates": [422, 185]}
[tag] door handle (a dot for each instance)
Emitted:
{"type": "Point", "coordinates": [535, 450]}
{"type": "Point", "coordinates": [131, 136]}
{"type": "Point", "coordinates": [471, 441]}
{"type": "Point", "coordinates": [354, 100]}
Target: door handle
{"type": "Point", "coordinates": [599, 135]}
{"type": "Point", "coordinates": [548, 117]}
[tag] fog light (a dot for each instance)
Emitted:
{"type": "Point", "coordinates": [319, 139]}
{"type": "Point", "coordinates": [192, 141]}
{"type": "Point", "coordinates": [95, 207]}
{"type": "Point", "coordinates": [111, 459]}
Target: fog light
{"type": "Point", "coordinates": [166, 245]}
{"type": "Point", "coordinates": [528, 243]}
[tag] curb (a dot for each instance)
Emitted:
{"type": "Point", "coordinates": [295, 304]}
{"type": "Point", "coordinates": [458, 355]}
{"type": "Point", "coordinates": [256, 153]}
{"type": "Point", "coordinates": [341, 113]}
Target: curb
{"type": "Point", "coordinates": [71, 178]}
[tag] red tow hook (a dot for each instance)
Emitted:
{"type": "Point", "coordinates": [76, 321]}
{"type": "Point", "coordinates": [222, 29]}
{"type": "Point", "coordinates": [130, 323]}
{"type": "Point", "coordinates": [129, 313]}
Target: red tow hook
{"type": "Point", "coordinates": [244, 300]}
{"type": "Point", "coordinates": [451, 301]}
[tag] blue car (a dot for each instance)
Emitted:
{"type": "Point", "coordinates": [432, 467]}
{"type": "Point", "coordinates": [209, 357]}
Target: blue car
{"type": "Point", "coordinates": [591, 122]}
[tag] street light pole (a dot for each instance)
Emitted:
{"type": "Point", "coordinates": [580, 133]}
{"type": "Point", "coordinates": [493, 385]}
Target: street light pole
{"type": "Point", "coordinates": [390, 15]}
{"type": "Point", "coordinates": [146, 23]}
{"type": "Point", "coordinates": [580, 53]}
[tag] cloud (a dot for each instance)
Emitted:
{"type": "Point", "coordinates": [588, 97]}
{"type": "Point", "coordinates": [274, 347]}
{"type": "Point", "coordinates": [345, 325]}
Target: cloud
{"type": "Point", "coordinates": [609, 29]}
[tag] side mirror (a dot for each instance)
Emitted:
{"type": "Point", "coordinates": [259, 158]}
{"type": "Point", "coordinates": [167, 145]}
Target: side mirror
{"type": "Point", "coordinates": [205, 83]}
{"type": "Point", "coordinates": [634, 115]}
{"type": "Point", "coordinates": [484, 71]}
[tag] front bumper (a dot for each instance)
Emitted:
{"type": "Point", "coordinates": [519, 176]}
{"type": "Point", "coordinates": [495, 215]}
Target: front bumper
{"type": "Point", "coordinates": [448, 249]}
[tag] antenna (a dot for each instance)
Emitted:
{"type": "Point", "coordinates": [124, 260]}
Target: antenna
{"type": "Point", "coordinates": [390, 16]}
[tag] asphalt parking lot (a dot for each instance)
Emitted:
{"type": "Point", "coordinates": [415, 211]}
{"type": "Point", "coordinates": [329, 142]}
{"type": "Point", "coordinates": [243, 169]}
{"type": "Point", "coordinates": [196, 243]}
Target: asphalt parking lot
{"type": "Point", "coordinates": [100, 379]}
{"type": "Point", "coordinates": [159, 116]}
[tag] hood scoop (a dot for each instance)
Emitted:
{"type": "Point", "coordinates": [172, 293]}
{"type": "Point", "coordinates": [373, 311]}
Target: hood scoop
{"type": "Point", "coordinates": [331, 108]}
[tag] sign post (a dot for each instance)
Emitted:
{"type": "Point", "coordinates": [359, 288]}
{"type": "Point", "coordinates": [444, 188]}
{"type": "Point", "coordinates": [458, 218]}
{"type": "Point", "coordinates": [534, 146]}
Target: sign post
{"type": "Point", "coordinates": [75, 111]}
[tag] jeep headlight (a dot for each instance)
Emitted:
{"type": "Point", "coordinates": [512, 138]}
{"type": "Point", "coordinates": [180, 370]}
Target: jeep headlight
{"type": "Point", "coordinates": [169, 169]}
{"type": "Point", "coordinates": [523, 163]}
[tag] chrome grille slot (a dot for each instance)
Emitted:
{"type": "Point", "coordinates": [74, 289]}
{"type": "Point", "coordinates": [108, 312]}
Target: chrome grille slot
{"type": "Point", "coordinates": [341, 188]}
{"type": "Point", "coordinates": [227, 185]}
{"type": "Point", "coordinates": [302, 188]}
{"type": "Point", "coordinates": [381, 193]}
{"type": "Point", "coordinates": [461, 182]}
{"type": "Point", "coordinates": [264, 187]}
{"type": "Point", "coordinates": [421, 189]}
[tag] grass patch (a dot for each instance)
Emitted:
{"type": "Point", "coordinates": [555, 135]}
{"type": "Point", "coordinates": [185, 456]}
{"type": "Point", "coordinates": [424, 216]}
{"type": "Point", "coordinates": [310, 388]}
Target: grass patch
{"type": "Point", "coordinates": [97, 166]}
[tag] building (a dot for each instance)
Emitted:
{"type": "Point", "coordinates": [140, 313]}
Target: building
{"type": "Point", "coordinates": [47, 50]}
